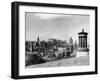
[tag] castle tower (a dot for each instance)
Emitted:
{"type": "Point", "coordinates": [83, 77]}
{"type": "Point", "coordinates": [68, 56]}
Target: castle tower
{"type": "Point", "coordinates": [82, 49]}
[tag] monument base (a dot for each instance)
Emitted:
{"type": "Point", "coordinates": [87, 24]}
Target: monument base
{"type": "Point", "coordinates": [82, 52]}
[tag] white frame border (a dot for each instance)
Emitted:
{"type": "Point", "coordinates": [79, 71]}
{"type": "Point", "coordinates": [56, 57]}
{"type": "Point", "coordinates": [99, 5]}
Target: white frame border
{"type": "Point", "coordinates": [38, 71]}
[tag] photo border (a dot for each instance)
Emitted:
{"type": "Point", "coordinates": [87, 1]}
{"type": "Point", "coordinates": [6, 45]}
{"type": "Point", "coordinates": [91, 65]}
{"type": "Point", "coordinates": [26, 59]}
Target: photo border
{"type": "Point", "coordinates": [15, 39]}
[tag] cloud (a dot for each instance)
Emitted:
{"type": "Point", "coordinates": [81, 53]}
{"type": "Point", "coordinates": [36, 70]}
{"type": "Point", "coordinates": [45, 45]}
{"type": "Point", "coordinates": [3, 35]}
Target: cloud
{"type": "Point", "coordinates": [49, 16]}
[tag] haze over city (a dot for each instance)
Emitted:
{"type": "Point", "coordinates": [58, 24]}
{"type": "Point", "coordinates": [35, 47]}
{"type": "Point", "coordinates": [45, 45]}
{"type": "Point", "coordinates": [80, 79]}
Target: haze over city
{"type": "Point", "coordinates": [59, 26]}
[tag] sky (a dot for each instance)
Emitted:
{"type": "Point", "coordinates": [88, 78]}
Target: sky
{"type": "Point", "coordinates": [59, 26]}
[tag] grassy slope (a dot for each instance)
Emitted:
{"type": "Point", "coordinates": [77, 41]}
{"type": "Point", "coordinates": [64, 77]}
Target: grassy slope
{"type": "Point", "coordinates": [73, 61]}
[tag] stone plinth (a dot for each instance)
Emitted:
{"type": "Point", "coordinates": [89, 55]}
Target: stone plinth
{"type": "Point", "coordinates": [82, 52]}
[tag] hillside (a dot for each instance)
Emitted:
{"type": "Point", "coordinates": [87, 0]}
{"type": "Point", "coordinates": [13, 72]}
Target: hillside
{"type": "Point", "coordinates": [72, 61]}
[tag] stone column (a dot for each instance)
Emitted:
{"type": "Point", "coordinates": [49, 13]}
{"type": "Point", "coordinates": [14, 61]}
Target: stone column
{"type": "Point", "coordinates": [86, 41]}
{"type": "Point", "coordinates": [81, 42]}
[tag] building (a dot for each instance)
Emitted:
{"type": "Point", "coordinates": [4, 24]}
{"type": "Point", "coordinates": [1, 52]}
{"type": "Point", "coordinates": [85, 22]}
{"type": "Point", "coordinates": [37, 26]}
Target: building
{"type": "Point", "coordinates": [71, 45]}
{"type": "Point", "coordinates": [82, 49]}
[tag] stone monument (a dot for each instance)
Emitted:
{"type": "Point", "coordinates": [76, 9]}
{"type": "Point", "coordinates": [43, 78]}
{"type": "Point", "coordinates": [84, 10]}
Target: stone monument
{"type": "Point", "coordinates": [82, 49]}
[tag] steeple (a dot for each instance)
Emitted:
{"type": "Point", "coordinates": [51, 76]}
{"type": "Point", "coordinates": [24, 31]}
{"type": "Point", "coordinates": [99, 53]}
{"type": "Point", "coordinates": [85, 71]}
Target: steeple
{"type": "Point", "coordinates": [38, 39]}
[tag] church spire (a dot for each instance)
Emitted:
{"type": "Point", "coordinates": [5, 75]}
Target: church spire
{"type": "Point", "coordinates": [38, 40]}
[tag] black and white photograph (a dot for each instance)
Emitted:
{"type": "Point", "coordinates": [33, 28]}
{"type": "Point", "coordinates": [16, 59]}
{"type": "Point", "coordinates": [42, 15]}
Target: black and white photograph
{"type": "Point", "coordinates": [54, 40]}
{"type": "Point", "coordinates": [50, 40]}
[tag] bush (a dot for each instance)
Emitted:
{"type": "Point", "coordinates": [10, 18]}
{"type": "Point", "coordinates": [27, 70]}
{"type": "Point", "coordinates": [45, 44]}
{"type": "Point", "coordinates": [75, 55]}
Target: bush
{"type": "Point", "coordinates": [33, 59]}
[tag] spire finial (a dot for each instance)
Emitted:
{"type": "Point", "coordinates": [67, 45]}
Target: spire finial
{"type": "Point", "coordinates": [82, 30]}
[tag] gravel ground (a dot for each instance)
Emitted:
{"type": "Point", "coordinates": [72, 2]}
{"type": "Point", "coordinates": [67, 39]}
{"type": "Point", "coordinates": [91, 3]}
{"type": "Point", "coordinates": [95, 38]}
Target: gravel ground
{"type": "Point", "coordinates": [72, 61]}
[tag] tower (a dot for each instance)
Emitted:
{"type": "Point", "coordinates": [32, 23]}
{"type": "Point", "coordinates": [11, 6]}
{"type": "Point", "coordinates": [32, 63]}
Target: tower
{"type": "Point", "coordinates": [82, 49]}
{"type": "Point", "coordinates": [75, 45]}
{"type": "Point", "coordinates": [38, 45]}
{"type": "Point", "coordinates": [71, 44]}
{"type": "Point", "coordinates": [38, 40]}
